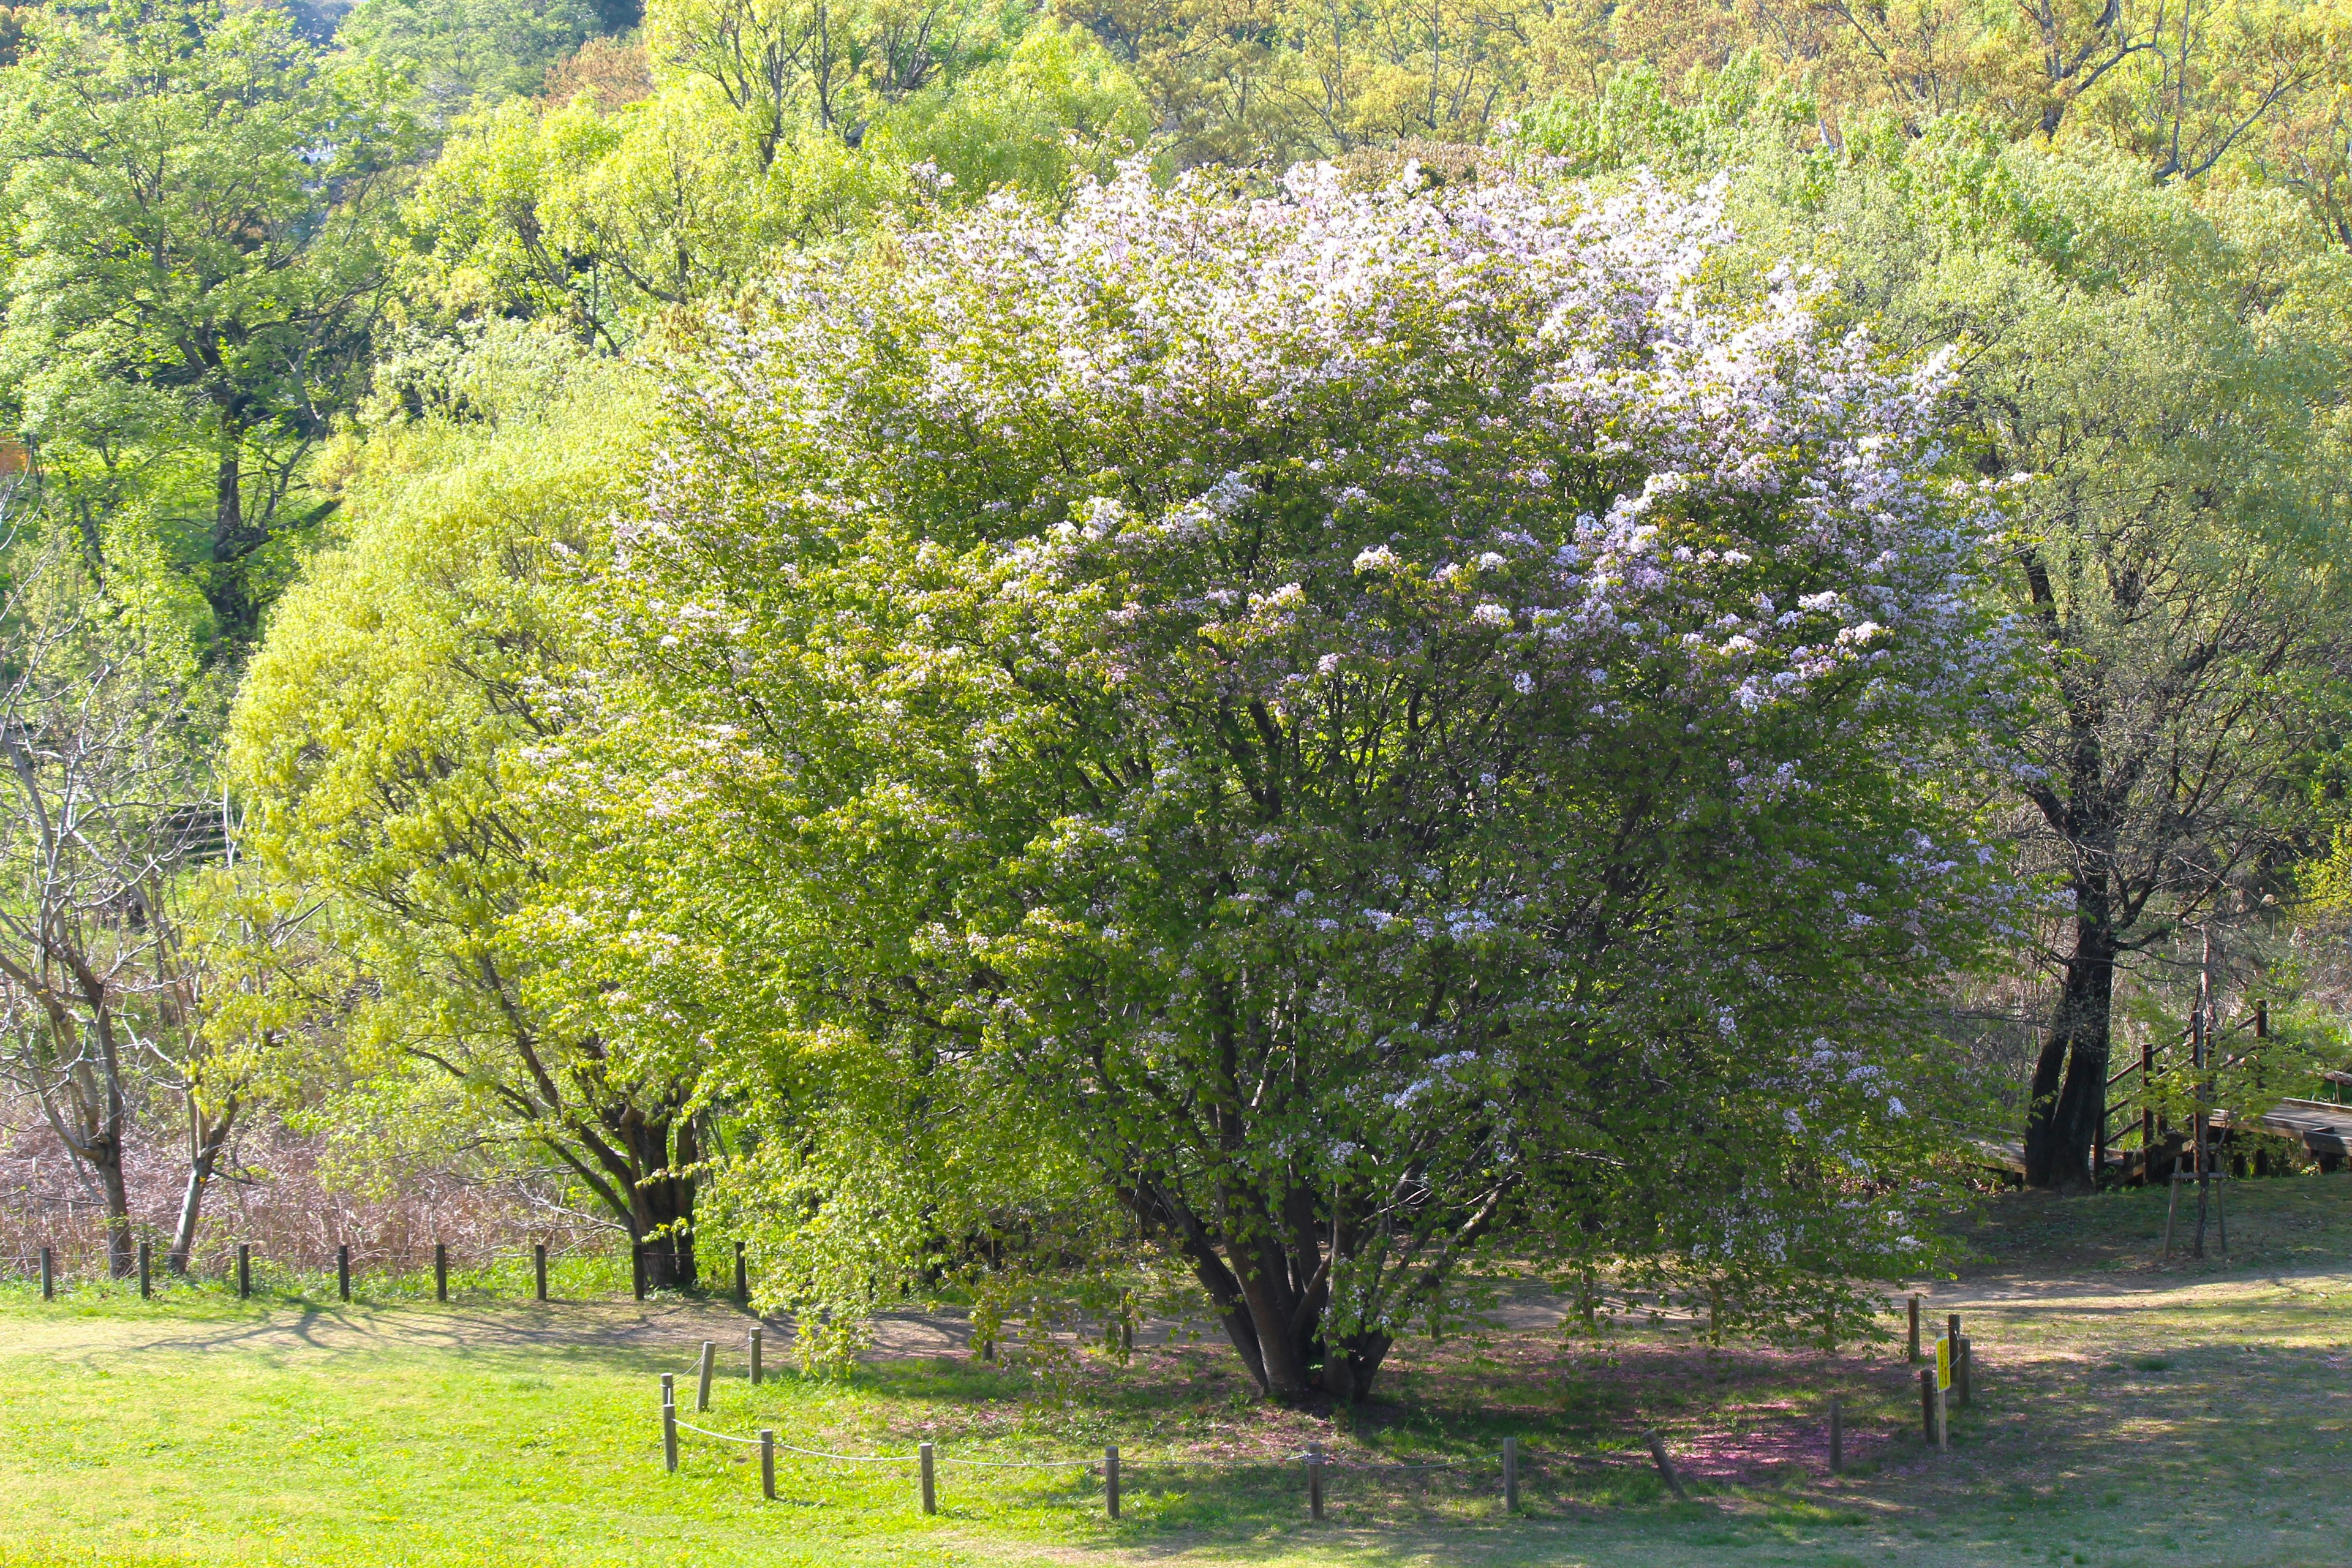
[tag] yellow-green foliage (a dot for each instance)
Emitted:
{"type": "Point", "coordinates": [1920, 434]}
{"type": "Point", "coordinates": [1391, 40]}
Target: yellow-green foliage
{"type": "Point", "coordinates": [378, 729]}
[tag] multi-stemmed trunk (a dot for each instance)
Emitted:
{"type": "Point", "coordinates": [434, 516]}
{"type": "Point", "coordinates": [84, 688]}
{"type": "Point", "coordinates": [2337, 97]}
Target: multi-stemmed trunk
{"type": "Point", "coordinates": [2070, 1077]}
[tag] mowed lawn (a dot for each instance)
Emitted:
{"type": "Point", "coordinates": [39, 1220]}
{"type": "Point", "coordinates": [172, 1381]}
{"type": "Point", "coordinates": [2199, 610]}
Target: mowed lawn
{"type": "Point", "coordinates": [2126, 1414]}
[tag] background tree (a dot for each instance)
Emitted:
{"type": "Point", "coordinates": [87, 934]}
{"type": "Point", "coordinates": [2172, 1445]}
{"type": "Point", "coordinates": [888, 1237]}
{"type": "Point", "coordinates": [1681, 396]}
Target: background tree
{"type": "Point", "coordinates": [194, 200]}
{"type": "Point", "coordinates": [2170, 370]}
{"type": "Point", "coordinates": [459, 52]}
{"type": "Point", "coordinates": [379, 730]}
{"type": "Point", "coordinates": [104, 803]}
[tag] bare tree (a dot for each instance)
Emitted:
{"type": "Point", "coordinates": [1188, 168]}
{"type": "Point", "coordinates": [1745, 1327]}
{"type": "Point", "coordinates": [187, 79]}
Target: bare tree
{"type": "Point", "coordinates": [102, 762]}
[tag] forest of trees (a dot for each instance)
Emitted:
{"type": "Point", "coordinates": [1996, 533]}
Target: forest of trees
{"type": "Point", "coordinates": [1302, 646]}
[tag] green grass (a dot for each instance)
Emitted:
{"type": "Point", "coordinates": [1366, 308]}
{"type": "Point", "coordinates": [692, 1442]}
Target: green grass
{"type": "Point", "coordinates": [2126, 1416]}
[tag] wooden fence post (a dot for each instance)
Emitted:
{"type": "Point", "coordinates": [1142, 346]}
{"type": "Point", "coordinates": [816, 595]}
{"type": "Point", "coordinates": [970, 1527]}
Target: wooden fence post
{"type": "Point", "coordinates": [146, 1265]}
{"type": "Point", "coordinates": [755, 1358]}
{"type": "Point", "coordinates": [1110, 1479]}
{"type": "Point", "coordinates": [768, 1463]}
{"type": "Point", "coordinates": [931, 1482]}
{"type": "Point", "coordinates": [1665, 1465]}
{"type": "Point", "coordinates": [743, 1278]}
{"type": "Point", "coordinates": [1837, 1438]}
{"type": "Point", "coordinates": [1314, 1481]}
{"type": "Point", "coordinates": [244, 1272]}
{"type": "Point", "coordinates": [440, 1271]}
{"type": "Point", "coordinates": [1915, 1330]}
{"type": "Point", "coordinates": [1510, 1474]}
{"type": "Point", "coordinates": [539, 1269]}
{"type": "Point", "coordinates": [702, 1377]}
{"type": "Point", "coordinates": [637, 1266]}
{"type": "Point", "coordinates": [49, 1275]}
{"type": "Point", "coordinates": [669, 1422]}
{"type": "Point", "coordinates": [343, 1270]}
{"type": "Point", "coordinates": [1927, 1403]}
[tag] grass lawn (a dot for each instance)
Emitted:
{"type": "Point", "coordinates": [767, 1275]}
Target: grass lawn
{"type": "Point", "coordinates": [2126, 1414]}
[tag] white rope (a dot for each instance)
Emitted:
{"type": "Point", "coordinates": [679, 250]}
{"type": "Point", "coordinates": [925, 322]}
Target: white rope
{"type": "Point", "coordinates": [747, 1442]}
{"type": "Point", "coordinates": [852, 1458]}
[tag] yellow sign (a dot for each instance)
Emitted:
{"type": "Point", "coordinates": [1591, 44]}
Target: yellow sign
{"type": "Point", "coordinates": [1944, 1363]}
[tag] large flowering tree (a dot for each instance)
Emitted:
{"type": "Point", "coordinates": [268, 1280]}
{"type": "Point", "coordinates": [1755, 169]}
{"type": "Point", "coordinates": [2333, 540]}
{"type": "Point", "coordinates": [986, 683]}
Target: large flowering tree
{"type": "Point", "coordinates": [1389, 727]}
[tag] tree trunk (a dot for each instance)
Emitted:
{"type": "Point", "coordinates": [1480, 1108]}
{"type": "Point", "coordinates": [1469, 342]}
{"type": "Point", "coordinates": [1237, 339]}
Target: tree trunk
{"type": "Point", "coordinates": [663, 1198]}
{"type": "Point", "coordinates": [210, 1140]}
{"type": "Point", "coordinates": [121, 1256]}
{"type": "Point", "coordinates": [1272, 1299]}
{"type": "Point", "coordinates": [2070, 1077]}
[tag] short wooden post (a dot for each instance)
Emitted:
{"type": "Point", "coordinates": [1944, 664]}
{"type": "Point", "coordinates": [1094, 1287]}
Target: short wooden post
{"type": "Point", "coordinates": [1666, 1466]}
{"type": "Point", "coordinates": [343, 1271]}
{"type": "Point", "coordinates": [1915, 1330]}
{"type": "Point", "coordinates": [743, 1278]}
{"type": "Point", "coordinates": [1510, 1474]}
{"type": "Point", "coordinates": [638, 1268]}
{"type": "Point", "coordinates": [1837, 1438]}
{"type": "Point", "coordinates": [1927, 1403]}
{"type": "Point", "coordinates": [755, 1358]}
{"type": "Point", "coordinates": [1314, 1481]}
{"type": "Point", "coordinates": [669, 1422]}
{"type": "Point", "coordinates": [1964, 1357]}
{"type": "Point", "coordinates": [244, 1270]}
{"type": "Point", "coordinates": [931, 1482]}
{"type": "Point", "coordinates": [768, 1463]}
{"type": "Point", "coordinates": [146, 1266]}
{"type": "Point", "coordinates": [1952, 1331]}
{"type": "Point", "coordinates": [440, 1272]}
{"type": "Point", "coordinates": [49, 1275]}
{"type": "Point", "coordinates": [539, 1269]}
{"type": "Point", "coordinates": [1110, 1479]}
{"type": "Point", "coordinates": [702, 1376]}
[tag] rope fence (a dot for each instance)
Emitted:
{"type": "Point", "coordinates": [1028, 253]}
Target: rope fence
{"type": "Point", "coordinates": [1958, 1361]}
{"type": "Point", "coordinates": [1513, 1461]}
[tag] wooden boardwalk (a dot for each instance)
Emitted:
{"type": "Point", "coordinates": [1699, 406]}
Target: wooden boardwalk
{"type": "Point", "coordinates": [2321, 1128]}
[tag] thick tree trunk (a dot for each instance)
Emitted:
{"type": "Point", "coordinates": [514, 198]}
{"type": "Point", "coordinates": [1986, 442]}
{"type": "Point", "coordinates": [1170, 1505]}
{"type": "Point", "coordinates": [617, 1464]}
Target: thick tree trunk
{"type": "Point", "coordinates": [1272, 1299]}
{"type": "Point", "coordinates": [202, 1160]}
{"type": "Point", "coordinates": [2070, 1077]}
{"type": "Point", "coordinates": [663, 1198]}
